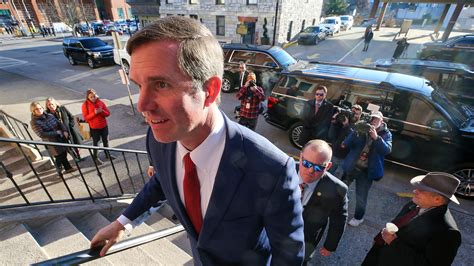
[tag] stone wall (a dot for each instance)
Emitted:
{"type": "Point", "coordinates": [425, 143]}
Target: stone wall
{"type": "Point", "coordinates": [207, 10]}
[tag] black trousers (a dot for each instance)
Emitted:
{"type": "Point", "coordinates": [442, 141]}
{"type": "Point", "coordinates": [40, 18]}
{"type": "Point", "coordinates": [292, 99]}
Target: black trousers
{"type": "Point", "coordinates": [62, 162]}
{"type": "Point", "coordinates": [97, 135]}
{"type": "Point", "coordinates": [248, 122]}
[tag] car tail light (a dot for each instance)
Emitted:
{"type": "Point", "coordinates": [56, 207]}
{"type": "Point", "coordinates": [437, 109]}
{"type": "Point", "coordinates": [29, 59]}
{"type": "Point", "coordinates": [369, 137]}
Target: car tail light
{"type": "Point", "coordinates": [272, 101]}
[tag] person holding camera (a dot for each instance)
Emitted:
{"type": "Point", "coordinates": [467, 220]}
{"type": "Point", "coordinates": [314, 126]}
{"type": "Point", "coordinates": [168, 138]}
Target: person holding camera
{"type": "Point", "coordinates": [368, 144]}
{"type": "Point", "coordinates": [343, 122]}
{"type": "Point", "coordinates": [250, 96]}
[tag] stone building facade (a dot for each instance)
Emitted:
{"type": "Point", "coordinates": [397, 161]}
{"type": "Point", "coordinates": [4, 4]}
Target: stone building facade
{"type": "Point", "coordinates": [223, 17]}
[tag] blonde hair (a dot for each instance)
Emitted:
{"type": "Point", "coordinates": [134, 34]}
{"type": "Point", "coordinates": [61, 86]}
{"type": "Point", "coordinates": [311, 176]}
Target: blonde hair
{"type": "Point", "coordinates": [33, 106]}
{"type": "Point", "coordinates": [51, 99]}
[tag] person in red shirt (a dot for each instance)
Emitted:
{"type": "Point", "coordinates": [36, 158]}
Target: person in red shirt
{"type": "Point", "coordinates": [95, 112]}
{"type": "Point", "coordinates": [250, 96]}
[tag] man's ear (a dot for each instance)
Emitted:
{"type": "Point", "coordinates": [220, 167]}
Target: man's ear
{"type": "Point", "coordinates": [212, 87]}
{"type": "Point", "coordinates": [328, 166]}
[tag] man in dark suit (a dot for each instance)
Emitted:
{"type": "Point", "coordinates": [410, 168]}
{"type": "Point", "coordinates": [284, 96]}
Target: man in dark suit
{"type": "Point", "coordinates": [425, 233]}
{"type": "Point", "coordinates": [317, 117]}
{"type": "Point", "coordinates": [242, 75]}
{"type": "Point", "coordinates": [234, 192]}
{"type": "Point", "coordinates": [324, 199]}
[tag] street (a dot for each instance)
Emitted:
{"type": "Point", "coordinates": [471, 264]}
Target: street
{"type": "Point", "coordinates": [35, 69]}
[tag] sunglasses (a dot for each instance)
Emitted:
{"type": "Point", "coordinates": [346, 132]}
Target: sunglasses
{"type": "Point", "coordinates": [319, 94]}
{"type": "Point", "coordinates": [316, 167]}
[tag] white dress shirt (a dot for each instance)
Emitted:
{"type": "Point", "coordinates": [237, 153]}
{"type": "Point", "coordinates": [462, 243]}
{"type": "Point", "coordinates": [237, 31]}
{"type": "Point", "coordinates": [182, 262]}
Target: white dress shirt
{"type": "Point", "coordinates": [207, 157]}
{"type": "Point", "coordinates": [308, 190]}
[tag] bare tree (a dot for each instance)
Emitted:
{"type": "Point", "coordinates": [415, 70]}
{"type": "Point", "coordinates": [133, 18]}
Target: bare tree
{"type": "Point", "coordinates": [70, 12]}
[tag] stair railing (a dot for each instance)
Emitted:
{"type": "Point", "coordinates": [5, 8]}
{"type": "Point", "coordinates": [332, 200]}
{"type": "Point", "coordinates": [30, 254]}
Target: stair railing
{"type": "Point", "coordinates": [127, 175]}
{"type": "Point", "coordinates": [17, 128]}
{"type": "Point", "coordinates": [93, 254]}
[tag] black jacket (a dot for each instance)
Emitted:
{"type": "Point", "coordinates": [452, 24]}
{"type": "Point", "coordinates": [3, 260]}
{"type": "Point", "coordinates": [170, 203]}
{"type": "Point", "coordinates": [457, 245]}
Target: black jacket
{"type": "Point", "coordinates": [327, 205]}
{"type": "Point", "coordinates": [431, 238]}
{"type": "Point", "coordinates": [316, 125]}
{"type": "Point", "coordinates": [68, 120]}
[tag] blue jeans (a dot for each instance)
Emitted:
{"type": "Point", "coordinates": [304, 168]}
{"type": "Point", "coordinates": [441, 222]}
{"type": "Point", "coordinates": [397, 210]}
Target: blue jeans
{"type": "Point", "coordinates": [363, 184]}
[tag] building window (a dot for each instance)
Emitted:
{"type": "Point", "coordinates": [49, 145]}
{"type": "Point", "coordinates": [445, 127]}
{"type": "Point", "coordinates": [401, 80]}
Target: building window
{"type": "Point", "coordinates": [169, 1]}
{"type": "Point", "coordinates": [290, 28]}
{"type": "Point", "coordinates": [220, 2]}
{"type": "Point", "coordinates": [302, 24]}
{"type": "Point", "coordinates": [220, 25]}
{"type": "Point", "coordinates": [193, 2]}
{"type": "Point", "coordinates": [120, 13]}
{"type": "Point", "coordinates": [130, 14]}
{"type": "Point", "coordinates": [252, 2]}
{"type": "Point", "coordinates": [194, 16]}
{"type": "Point", "coordinates": [314, 21]}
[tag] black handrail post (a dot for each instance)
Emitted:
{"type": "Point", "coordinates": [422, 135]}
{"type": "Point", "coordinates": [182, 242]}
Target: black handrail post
{"type": "Point", "coordinates": [84, 180]}
{"type": "Point", "coordinates": [34, 171]}
{"type": "Point", "coordinates": [10, 176]}
{"type": "Point", "coordinates": [115, 171]}
{"type": "Point", "coordinates": [98, 171]}
{"type": "Point", "coordinates": [128, 173]}
{"type": "Point", "coordinates": [140, 167]}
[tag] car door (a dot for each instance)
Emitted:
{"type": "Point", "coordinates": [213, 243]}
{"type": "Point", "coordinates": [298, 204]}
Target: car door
{"type": "Point", "coordinates": [267, 70]}
{"type": "Point", "coordinates": [422, 137]}
{"type": "Point", "coordinates": [463, 51]}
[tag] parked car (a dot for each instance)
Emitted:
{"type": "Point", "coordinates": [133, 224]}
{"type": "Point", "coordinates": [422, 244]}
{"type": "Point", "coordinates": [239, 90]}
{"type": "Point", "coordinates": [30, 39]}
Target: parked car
{"type": "Point", "coordinates": [83, 30]}
{"type": "Point", "coordinates": [264, 60]}
{"type": "Point", "coordinates": [368, 22]}
{"type": "Point", "coordinates": [98, 27]}
{"type": "Point", "coordinates": [457, 80]}
{"type": "Point", "coordinates": [430, 132]}
{"type": "Point", "coordinates": [311, 35]}
{"type": "Point", "coordinates": [333, 24]}
{"type": "Point", "coordinates": [121, 56]}
{"type": "Point", "coordinates": [459, 49]}
{"type": "Point", "coordinates": [112, 28]}
{"type": "Point", "coordinates": [347, 22]}
{"type": "Point", "coordinates": [90, 50]}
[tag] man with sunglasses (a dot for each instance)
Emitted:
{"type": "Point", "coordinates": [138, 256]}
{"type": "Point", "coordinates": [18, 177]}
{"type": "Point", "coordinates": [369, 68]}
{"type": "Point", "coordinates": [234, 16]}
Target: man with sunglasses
{"type": "Point", "coordinates": [317, 117]}
{"type": "Point", "coordinates": [324, 199]}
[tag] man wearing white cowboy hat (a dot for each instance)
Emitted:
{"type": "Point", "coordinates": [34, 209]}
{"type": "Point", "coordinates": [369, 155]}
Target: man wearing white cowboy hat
{"type": "Point", "coordinates": [424, 232]}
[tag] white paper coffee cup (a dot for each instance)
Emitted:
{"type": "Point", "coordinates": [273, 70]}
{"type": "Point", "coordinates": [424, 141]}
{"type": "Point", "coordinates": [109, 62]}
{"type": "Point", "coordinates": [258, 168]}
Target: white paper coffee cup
{"type": "Point", "coordinates": [391, 228]}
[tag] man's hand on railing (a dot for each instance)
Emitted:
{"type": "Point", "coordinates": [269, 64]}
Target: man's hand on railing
{"type": "Point", "coordinates": [108, 236]}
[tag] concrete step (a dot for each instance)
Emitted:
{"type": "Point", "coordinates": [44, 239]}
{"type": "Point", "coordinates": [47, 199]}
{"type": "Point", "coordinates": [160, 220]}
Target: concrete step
{"type": "Point", "coordinates": [90, 224]}
{"type": "Point", "coordinates": [58, 236]}
{"type": "Point", "coordinates": [158, 222]}
{"type": "Point", "coordinates": [18, 247]}
{"type": "Point", "coordinates": [163, 250]}
{"type": "Point", "coordinates": [7, 151]}
{"type": "Point", "coordinates": [17, 165]}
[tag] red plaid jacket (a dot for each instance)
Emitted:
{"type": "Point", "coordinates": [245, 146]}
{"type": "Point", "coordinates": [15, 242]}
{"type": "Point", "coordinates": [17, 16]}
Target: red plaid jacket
{"type": "Point", "coordinates": [249, 101]}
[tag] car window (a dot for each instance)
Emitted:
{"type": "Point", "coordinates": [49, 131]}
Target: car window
{"type": "Point", "coordinates": [262, 59]}
{"type": "Point", "coordinates": [311, 30]}
{"type": "Point", "coordinates": [370, 98]}
{"type": "Point", "coordinates": [281, 56]}
{"type": "Point", "coordinates": [246, 57]}
{"type": "Point", "coordinates": [465, 43]}
{"type": "Point", "coordinates": [422, 113]}
{"type": "Point", "coordinates": [92, 43]}
{"type": "Point", "coordinates": [329, 21]}
{"type": "Point", "coordinates": [75, 44]}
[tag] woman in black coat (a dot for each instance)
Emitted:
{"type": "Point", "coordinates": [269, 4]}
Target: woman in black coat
{"type": "Point", "coordinates": [50, 129]}
{"type": "Point", "coordinates": [68, 120]}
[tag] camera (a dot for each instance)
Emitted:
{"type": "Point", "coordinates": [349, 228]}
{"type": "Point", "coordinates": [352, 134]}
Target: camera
{"type": "Point", "coordinates": [362, 127]}
{"type": "Point", "coordinates": [342, 114]}
{"type": "Point", "coordinates": [252, 83]}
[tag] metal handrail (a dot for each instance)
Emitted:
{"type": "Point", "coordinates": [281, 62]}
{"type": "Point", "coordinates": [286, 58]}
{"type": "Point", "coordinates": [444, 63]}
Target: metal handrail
{"type": "Point", "coordinates": [17, 132]}
{"type": "Point", "coordinates": [93, 253]}
{"type": "Point", "coordinates": [44, 187]}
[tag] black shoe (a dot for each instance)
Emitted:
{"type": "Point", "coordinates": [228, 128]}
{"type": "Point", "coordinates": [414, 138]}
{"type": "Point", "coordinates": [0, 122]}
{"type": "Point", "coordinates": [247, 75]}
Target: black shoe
{"type": "Point", "coordinates": [70, 170]}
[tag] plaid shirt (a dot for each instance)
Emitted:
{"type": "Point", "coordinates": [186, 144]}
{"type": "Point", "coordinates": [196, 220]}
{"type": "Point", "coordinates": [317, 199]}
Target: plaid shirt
{"type": "Point", "coordinates": [249, 102]}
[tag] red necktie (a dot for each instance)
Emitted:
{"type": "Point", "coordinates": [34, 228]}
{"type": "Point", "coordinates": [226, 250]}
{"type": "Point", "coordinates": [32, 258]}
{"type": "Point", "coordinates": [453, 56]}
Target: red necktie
{"type": "Point", "coordinates": [399, 222]}
{"type": "Point", "coordinates": [192, 193]}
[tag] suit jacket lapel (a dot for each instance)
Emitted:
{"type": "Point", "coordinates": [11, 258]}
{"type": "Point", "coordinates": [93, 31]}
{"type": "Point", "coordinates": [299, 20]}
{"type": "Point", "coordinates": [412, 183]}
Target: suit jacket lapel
{"type": "Point", "coordinates": [228, 177]}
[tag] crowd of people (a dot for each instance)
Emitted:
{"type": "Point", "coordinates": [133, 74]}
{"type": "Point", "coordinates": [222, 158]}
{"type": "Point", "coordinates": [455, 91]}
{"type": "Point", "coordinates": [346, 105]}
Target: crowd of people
{"type": "Point", "coordinates": [243, 201]}
{"type": "Point", "coordinates": [56, 123]}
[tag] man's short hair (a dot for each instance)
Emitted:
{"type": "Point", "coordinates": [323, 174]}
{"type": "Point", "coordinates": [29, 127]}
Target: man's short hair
{"type": "Point", "coordinates": [319, 146]}
{"type": "Point", "coordinates": [199, 54]}
{"type": "Point", "coordinates": [322, 88]}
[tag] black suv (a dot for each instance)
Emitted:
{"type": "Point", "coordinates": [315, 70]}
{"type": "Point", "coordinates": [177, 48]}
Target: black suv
{"type": "Point", "coordinates": [457, 80]}
{"type": "Point", "coordinates": [92, 51]}
{"type": "Point", "coordinates": [265, 61]}
{"type": "Point", "coordinates": [458, 49]}
{"type": "Point", "coordinates": [430, 132]}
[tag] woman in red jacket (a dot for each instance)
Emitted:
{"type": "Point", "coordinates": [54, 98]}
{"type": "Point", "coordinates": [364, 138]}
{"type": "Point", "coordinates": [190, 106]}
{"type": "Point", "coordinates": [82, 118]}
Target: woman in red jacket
{"type": "Point", "coordinates": [95, 112]}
